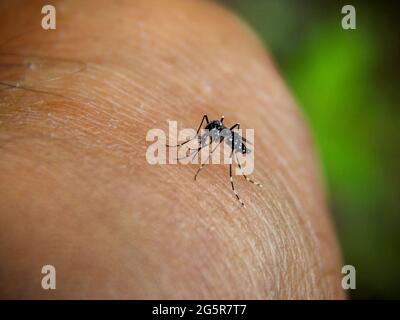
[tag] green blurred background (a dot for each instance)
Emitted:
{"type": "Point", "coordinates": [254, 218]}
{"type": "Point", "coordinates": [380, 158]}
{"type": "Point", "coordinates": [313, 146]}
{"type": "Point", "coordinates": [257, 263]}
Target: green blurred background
{"type": "Point", "coordinates": [347, 81]}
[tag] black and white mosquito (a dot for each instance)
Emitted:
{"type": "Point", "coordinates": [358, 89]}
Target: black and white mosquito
{"type": "Point", "coordinates": [215, 130]}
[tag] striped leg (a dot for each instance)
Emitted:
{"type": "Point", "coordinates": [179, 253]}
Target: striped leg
{"type": "Point", "coordinates": [230, 165]}
{"type": "Point", "coordinates": [191, 153]}
{"type": "Point", "coordinates": [233, 187]}
{"type": "Point", "coordinates": [244, 176]}
{"type": "Point", "coordinates": [205, 162]}
{"type": "Point", "coordinates": [197, 133]}
{"type": "Point", "coordinates": [196, 151]}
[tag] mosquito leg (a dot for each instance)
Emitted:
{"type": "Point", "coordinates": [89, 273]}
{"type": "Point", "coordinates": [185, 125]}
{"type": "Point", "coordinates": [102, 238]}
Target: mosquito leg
{"type": "Point", "coordinates": [244, 176]}
{"type": "Point", "coordinates": [190, 154]}
{"type": "Point", "coordinates": [205, 117]}
{"type": "Point", "coordinates": [192, 149]}
{"type": "Point", "coordinates": [196, 151]}
{"type": "Point", "coordinates": [237, 125]}
{"type": "Point", "coordinates": [233, 186]}
{"type": "Point", "coordinates": [180, 144]}
{"type": "Point", "coordinates": [205, 162]}
{"type": "Point", "coordinates": [230, 165]}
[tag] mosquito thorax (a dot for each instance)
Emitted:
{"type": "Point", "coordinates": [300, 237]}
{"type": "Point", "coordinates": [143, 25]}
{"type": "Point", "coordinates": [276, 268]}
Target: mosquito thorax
{"type": "Point", "coordinates": [215, 124]}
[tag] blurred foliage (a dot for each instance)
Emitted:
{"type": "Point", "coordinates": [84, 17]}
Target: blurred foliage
{"type": "Point", "coordinates": [346, 81]}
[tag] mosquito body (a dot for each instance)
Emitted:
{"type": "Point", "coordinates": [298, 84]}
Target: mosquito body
{"type": "Point", "coordinates": [216, 131]}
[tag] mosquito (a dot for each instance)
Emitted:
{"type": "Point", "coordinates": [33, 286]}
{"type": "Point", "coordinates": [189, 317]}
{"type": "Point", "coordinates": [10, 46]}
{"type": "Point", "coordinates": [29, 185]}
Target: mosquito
{"type": "Point", "coordinates": [215, 130]}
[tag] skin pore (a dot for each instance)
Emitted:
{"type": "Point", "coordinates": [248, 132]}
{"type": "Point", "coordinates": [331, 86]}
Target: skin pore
{"type": "Point", "coordinates": [78, 193]}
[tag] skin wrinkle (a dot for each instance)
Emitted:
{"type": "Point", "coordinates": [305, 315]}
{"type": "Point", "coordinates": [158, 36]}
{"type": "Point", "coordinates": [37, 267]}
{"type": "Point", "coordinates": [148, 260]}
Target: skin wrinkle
{"type": "Point", "coordinates": [249, 268]}
{"type": "Point", "coordinates": [292, 192]}
{"type": "Point", "coordinates": [260, 253]}
{"type": "Point", "coordinates": [208, 248]}
{"type": "Point", "coordinates": [184, 55]}
{"type": "Point", "coordinates": [43, 167]}
{"type": "Point", "coordinates": [291, 229]}
{"type": "Point", "coordinates": [239, 229]}
{"type": "Point", "coordinates": [228, 246]}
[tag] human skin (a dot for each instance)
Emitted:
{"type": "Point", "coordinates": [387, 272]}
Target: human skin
{"type": "Point", "coordinates": [77, 192]}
